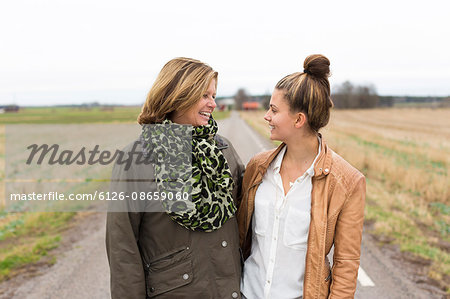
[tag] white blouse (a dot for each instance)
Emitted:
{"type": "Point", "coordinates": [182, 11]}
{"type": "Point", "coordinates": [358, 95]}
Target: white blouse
{"type": "Point", "coordinates": [276, 266]}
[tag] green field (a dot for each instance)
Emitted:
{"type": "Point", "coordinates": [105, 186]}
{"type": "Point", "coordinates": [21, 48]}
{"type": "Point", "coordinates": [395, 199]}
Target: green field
{"type": "Point", "coordinates": [76, 115]}
{"type": "Point", "coordinates": [65, 115]}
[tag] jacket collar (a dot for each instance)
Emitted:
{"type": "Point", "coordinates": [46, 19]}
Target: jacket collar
{"type": "Point", "coordinates": [278, 160]}
{"type": "Point", "coordinates": [322, 166]}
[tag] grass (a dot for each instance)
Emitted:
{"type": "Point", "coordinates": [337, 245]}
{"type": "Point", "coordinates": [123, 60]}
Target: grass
{"type": "Point", "coordinates": [405, 156]}
{"type": "Point", "coordinates": [30, 239]}
{"type": "Point", "coordinates": [23, 255]}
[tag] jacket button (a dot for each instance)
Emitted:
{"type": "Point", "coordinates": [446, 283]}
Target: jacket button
{"type": "Point", "coordinates": [326, 170]}
{"type": "Point", "coordinates": [224, 244]}
{"type": "Point", "coordinates": [185, 276]}
{"type": "Point", "coordinates": [152, 290]}
{"type": "Point", "coordinates": [234, 295]}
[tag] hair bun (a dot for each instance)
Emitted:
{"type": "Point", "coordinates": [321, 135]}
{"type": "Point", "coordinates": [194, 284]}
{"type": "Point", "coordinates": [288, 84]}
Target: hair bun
{"type": "Point", "coordinates": [317, 65]}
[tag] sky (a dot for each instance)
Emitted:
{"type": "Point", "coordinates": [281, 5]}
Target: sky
{"type": "Point", "coordinates": [73, 52]}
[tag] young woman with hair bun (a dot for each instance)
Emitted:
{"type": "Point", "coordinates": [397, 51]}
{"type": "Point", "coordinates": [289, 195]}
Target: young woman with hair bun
{"type": "Point", "coordinates": [300, 199]}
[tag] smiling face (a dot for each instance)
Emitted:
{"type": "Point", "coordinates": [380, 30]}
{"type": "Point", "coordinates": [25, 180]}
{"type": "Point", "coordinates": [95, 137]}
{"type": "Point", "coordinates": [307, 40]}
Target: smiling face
{"type": "Point", "coordinates": [198, 115]}
{"type": "Point", "coordinates": [281, 120]}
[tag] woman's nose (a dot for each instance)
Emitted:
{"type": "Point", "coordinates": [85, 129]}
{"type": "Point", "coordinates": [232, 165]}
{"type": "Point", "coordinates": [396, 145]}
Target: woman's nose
{"type": "Point", "coordinates": [266, 116]}
{"type": "Point", "coordinates": [212, 103]}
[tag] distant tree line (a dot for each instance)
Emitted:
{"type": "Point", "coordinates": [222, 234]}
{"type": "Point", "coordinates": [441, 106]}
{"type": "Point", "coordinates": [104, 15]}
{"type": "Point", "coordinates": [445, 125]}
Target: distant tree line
{"type": "Point", "coordinates": [241, 97]}
{"type": "Point", "coordinates": [349, 96]}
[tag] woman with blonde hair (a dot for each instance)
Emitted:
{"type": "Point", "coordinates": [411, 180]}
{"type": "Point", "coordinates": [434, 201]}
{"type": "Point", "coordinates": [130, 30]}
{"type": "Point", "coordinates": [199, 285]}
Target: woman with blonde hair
{"type": "Point", "coordinates": [186, 248]}
{"type": "Point", "coordinates": [300, 199]}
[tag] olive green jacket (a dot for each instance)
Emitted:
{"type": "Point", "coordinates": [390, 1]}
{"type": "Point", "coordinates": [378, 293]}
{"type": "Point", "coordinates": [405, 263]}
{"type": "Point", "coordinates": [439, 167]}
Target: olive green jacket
{"type": "Point", "coordinates": [151, 255]}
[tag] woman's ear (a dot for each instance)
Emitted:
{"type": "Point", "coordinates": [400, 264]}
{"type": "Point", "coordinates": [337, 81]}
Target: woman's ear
{"type": "Point", "coordinates": [300, 120]}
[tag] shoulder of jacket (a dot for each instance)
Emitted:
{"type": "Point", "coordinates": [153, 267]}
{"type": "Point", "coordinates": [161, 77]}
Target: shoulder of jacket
{"type": "Point", "coordinates": [222, 142]}
{"type": "Point", "coordinates": [131, 158]}
{"type": "Point", "coordinates": [261, 157]}
{"type": "Point", "coordinates": [136, 145]}
{"type": "Point", "coordinates": [345, 173]}
{"type": "Point", "coordinates": [256, 161]}
{"type": "Point", "coordinates": [225, 145]}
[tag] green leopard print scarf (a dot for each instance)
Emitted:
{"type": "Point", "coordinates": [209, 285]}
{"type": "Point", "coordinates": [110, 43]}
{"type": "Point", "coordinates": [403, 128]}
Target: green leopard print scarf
{"type": "Point", "coordinates": [187, 161]}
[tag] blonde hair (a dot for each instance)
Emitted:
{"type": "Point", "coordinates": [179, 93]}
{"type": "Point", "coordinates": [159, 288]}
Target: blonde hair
{"type": "Point", "coordinates": [178, 87]}
{"type": "Point", "coordinates": [309, 91]}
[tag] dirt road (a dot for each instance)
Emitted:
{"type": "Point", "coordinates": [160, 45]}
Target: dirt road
{"type": "Point", "coordinates": [81, 270]}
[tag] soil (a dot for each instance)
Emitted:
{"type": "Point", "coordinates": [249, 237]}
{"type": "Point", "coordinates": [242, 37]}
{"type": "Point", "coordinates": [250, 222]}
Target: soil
{"type": "Point", "coordinates": [415, 267]}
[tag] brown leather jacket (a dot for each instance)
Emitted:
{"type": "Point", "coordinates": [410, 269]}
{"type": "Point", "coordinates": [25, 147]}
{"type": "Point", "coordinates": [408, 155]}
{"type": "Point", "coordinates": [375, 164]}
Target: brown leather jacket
{"type": "Point", "coordinates": [337, 212]}
{"type": "Point", "coordinates": [151, 256]}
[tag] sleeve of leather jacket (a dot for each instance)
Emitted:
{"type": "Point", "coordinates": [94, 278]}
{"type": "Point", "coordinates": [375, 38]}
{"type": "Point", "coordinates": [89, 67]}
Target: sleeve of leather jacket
{"type": "Point", "coordinates": [347, 243]}
{"type": "Point", "coordinates": [127, 276]}
{"type": "Point", "coordinates": [246, 178]}
{"type": "Point", "coordinates": [243, 207]}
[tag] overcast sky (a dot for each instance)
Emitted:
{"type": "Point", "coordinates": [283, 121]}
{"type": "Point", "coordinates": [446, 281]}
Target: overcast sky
{"type": "Point", "coordinates": [76, 51]}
